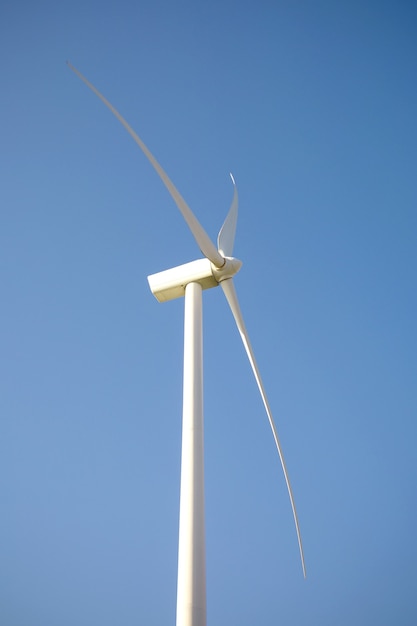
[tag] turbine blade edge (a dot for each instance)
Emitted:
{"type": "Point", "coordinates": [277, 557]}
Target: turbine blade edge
{"type": "Point", "coordinates": [226, 236]}
{"type": "Point", "coordinates": [203, 240]}
{"type": "Point", "coordinates": [231, 297]}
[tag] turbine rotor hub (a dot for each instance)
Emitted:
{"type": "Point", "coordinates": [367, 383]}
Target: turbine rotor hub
{"type": "Point", "coordinates": [230, 267]}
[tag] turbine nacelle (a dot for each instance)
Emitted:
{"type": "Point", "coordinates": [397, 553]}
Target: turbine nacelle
{"type": "Point", "coordinates": [171, 284]}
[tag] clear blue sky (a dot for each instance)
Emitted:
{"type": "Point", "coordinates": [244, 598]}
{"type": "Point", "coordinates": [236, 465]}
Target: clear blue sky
{"type": "Point", "coordinates": [312, 106]}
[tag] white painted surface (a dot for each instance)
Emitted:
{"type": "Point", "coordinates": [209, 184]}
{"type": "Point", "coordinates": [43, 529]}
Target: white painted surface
{"type": "Point", "coordinates": [191, 587]}
{"type": "Point", "coordinates": [170, 284]}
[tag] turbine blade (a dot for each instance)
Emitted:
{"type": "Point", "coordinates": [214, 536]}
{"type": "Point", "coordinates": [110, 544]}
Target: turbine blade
{"type": "Point", "coordinates": [226, 237]}
{"type": "Point", "coordinates": [230, 293]}
{"type": "Point", "coordinates": [204, 242]}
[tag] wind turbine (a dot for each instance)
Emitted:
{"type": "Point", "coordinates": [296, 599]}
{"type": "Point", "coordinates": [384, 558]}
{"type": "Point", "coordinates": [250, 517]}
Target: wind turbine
{"type": "Point", "coordinates": [189, 280]}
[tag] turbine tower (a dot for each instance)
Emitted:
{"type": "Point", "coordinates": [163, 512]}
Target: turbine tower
{"type": "Point", "coordinates": [189, 280]}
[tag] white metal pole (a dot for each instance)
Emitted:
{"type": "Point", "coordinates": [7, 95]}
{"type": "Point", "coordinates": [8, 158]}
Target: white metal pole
{"type": "Point", "coordinates": [191, 585]}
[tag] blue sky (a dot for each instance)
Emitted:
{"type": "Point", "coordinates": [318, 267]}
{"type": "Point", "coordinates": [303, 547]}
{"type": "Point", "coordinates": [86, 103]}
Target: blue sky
{"type": "Point", "coordinates": [312, 106]}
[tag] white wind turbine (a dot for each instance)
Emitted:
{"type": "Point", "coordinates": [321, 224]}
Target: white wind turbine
{"type": "Point", "coordinates": [216, 268]}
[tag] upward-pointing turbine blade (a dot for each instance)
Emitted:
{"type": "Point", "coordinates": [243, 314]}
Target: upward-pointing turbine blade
{"type": "Point", "coordinates": [230, 293]}
{"type": "Point", "coordinates": [204, 242]}
{"type": "Point", "coordinates": [226, 237]}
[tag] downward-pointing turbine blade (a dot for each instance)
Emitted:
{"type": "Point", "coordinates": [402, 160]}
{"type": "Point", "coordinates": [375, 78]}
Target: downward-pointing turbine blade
{"type": "Point", "coordinates": [204, 242]}
{"type": "Point", "coordinates": [226, 237]}
{"type": "Point", "coordinates": [230, 293]}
